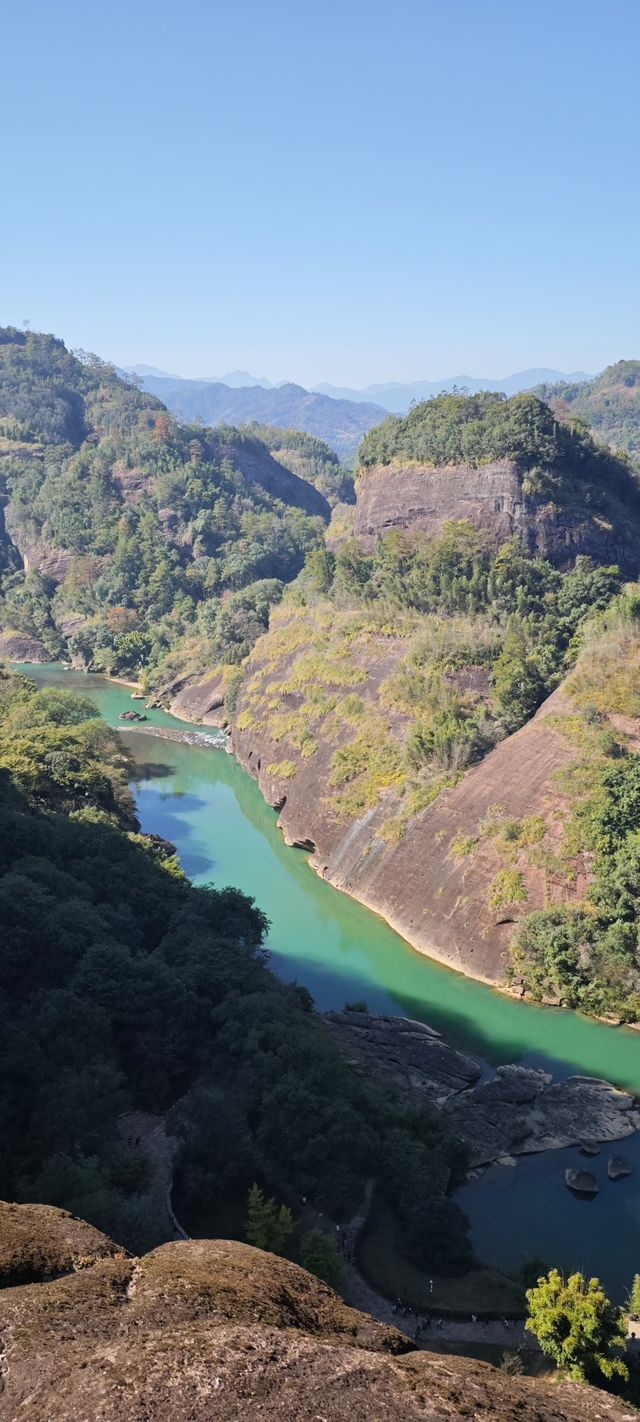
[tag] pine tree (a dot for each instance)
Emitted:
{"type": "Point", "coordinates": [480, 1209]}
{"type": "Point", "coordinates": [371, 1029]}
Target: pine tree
{"type": "Point", "coordinates": [634, 1297]}
{"type": "Point", "coordinates": [319, 1255]}
{"type": "Point", "coordinates": [269, 1226]}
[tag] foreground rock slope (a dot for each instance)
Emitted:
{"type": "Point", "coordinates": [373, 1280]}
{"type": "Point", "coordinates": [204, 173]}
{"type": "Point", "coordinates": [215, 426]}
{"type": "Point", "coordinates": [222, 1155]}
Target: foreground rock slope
{"type": "Point", "coordinates": [214, 1329]}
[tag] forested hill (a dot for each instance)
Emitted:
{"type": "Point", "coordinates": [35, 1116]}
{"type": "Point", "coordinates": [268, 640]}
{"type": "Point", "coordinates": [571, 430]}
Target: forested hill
{"type": "Point", "coordinates": [341, 423]}
{"type": "Point", "coordinates": [136, 531]}
{"type": "Point", "coordinates": [609, 405]}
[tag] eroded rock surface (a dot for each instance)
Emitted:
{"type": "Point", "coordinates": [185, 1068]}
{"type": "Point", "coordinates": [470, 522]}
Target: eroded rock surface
{"type": "Point", "coordinates": [212, 1329]}
{"type": "Point", "coordinates": [21, 647]}
{"type": "Point", "coordinates": [438, 900]}
{"type": "Point", "coordinates": [618, 1167]}
{"type": "Point", "coordinates": [491, 496]}
{"type": "Point", "coordinates": [519, 1111]}
{"type": "Point", "coordinates": [526, 1111]}
{"type": "Point", "coordinates": [409, 1055]}
{"type": "Point", "coordinates": [39, 1241]}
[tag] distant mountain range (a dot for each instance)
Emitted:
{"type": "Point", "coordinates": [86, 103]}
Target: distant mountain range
{"type": "Point", "coordinates": [235, 379]}
{"type": "Point", "coordinates": [336, 414]}
{"type": "Point", "coordinates": [396, 397]}
{"type": "Point", "coordinates": [340, 423]}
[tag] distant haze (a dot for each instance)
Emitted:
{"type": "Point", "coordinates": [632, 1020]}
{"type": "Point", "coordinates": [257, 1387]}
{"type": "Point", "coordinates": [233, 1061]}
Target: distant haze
{"type": "Point", "coordinates": [394, 396]}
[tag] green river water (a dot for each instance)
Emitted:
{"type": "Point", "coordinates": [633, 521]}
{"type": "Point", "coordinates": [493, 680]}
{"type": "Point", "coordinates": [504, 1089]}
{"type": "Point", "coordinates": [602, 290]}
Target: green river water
{"type": "Point", "coordinates": [210, 808]}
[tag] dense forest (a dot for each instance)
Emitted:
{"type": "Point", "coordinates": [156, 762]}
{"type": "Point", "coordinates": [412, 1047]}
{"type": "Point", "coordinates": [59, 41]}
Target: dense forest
{"type": "Point", "coordinates": [134, 989]}
{"type": "Point", "coordinates": [310, 458]}
{"type": "Point", "coordinates": [166, 531]}
{"type": "Point", "coordinates": [587, 954]}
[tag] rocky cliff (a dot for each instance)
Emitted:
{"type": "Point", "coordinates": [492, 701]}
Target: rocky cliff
{"type": "Point", "coordinates": [214, 1329]}
{"type": "Point", "coordinates": [492, 496]}
{"type": "Point", "coordinates": [316, 686]}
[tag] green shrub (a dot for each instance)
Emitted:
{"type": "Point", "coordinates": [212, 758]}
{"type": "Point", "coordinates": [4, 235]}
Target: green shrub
{"type": "Point", "coordinates": [507, 887]}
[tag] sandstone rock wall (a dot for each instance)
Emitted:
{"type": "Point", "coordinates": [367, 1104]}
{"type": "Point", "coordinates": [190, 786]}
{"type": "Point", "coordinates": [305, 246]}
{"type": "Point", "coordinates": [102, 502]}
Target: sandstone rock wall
{"type": "Point", "coordinates": [492, 497]}
{"type": "Point", "coordinates": [437, 901]}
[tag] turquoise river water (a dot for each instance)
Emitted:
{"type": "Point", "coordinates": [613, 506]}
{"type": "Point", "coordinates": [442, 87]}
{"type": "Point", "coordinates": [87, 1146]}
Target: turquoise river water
{"type": "Point", "coordinates": [199, 797]}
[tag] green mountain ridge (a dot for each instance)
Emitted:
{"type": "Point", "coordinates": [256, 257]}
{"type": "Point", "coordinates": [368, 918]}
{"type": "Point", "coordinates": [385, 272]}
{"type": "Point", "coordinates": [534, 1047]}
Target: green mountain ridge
{"type": "Point", "coordinates": [133, 528]}
{"type": "Point", "coordinates": [609, 404]}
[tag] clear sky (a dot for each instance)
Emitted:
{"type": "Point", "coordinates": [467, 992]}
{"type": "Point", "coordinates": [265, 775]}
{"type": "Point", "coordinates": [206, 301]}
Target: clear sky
{"type": "Point", "coordinates": [345, 190]}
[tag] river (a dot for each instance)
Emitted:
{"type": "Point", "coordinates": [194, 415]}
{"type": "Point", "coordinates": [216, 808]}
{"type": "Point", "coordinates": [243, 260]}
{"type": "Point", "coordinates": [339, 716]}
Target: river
{"type": "Point", "coordinates": [211, 809]}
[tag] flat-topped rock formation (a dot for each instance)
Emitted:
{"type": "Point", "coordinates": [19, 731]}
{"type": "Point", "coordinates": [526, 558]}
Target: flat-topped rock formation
{"type": "Point", "coordinates": [412, 496]}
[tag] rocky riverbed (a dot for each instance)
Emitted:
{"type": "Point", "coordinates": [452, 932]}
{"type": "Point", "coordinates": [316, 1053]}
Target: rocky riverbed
{"type": "Point", "coordinates": [519, 1111]}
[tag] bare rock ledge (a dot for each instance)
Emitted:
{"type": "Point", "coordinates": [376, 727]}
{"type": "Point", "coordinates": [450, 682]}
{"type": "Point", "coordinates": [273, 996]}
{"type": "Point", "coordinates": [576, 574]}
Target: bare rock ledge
{"type": "Point", "coordinates": [214, 1331]}
{"type": "Point", "coordinates": [519, 1111]}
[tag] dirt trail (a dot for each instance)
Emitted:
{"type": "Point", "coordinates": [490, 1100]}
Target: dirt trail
{"type": "Point", "coordinates": [145, 1135]}
{"type": "Point", "coordinates": [507, 1333]}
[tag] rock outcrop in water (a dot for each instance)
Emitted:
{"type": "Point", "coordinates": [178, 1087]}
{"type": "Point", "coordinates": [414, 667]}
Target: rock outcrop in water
{"type": "Point", "coordinates": [520, 1111]}
{"type": "Point", "coordinates": [195, 698]}
{"type": "Point", "coordinates": [212, 1329]}
{"type": "Point", "coordinates": [618, 1167]}
{"type": "Point", "coordinates": [582, 1182]}
{"type": "Point", "coordinates": [411, 1058]}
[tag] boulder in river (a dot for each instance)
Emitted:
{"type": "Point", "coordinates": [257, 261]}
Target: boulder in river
{"type": "Point", "coordinates": [618, 1166]}
{"type": "Point", "coordinates": [582, 1182]}
{"type": "Point", "coordinates": [590, 1148]}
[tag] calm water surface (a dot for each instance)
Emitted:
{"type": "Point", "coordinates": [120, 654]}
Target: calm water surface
{"type": "Point", "coordinates": [212, 810]}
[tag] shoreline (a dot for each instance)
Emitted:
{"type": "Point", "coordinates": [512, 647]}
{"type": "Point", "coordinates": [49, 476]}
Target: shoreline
{"type": "Point", "coordinates": [432, 954]}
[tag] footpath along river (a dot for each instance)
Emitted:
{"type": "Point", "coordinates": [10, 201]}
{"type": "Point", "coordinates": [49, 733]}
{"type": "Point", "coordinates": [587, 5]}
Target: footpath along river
{"type": "Point", "coordinates": [209, 807]}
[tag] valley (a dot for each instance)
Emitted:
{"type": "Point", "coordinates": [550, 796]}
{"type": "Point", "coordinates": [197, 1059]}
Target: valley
{"type": "Point", "coordinates": [426, 671]}
{"type": "Point", "coordinates": [201, 799]}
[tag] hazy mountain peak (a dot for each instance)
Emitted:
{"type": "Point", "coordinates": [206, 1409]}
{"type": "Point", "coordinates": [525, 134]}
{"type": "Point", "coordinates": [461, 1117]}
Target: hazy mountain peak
{"type": "Point", "coordinates": [396, 396]}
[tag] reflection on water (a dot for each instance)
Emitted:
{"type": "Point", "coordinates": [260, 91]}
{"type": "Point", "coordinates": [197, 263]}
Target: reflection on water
{"type": "Point", "coordinates": [527, 1211]}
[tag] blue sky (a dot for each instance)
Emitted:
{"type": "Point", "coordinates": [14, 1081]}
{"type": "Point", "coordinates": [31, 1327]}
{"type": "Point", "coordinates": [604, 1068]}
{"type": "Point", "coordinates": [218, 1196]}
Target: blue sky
{"type": "Point", "coordinates": [350, 190]}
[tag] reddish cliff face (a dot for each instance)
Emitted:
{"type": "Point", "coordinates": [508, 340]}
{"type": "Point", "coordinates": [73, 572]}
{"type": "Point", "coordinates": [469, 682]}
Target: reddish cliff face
{"type": "Point", "coordinates": [212, 1329]}
{"type": "Point", "coordinates": [419, 497]}
{"type": "Point", "coordinates": [492, 496]}
{"type": "Point", "coordinates": [434, 884]}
